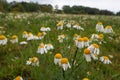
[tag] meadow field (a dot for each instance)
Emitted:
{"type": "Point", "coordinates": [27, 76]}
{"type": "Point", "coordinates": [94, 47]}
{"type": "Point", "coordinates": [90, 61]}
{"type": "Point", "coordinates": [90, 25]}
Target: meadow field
{"type": "Point", "coordinates": [34, 31]}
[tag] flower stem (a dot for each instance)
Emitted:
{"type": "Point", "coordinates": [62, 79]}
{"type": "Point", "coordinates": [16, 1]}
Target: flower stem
{"type": "Point", "coordinates": [63, 73]}
{"type": "Point", "coordinates": [74, 57]}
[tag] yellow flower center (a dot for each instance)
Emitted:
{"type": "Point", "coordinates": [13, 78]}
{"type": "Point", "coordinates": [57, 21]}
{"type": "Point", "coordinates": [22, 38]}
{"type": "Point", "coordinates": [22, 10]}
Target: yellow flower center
{"type": "Point", "coordinates": [95, 45]}
{"type": "Point", "coordinates": [58, 56]}
{"type": "Point", "coordinates": [60, 23]}
{"type": "Point", "coordinates": [64, 60]}
{"type": "Point", "coordinates": [75, 35]}
{"type": "Point", "coordinates": [41, 46]}
{"type": "Point", "coordinates": [85, 79]}
{"type": "Point", "coordinates": [100, 23]}
{"type": "Point", "coordinates": [14, 37]}
{"type": "Point", "coordinates": [105, 57]}
{"type": "Point", "coordinates": [86, 51]}
{"type": "Point", "coordinates": [34, 59]}
{"type": "Point", "coordinates": [39, 34]}
{"type": "Point", "coordinates": [85, 39]}
{"type": "Point", "coordinates": [18, 78]}
{"type": "Point", "coordinates": [108, 26]}
{"type": "Point", "coordinates": [24, 32]}
{"type": "Point", "coordinates": [80, 39]}
{"type": "Point", "coordinates": [2, 37]}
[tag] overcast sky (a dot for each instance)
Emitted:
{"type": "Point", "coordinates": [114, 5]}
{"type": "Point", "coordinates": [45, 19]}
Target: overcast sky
{"type": "Point", "coordinates": [112, 5]}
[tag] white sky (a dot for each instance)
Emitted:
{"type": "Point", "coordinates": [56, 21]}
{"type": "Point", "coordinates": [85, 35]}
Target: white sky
{"type": "Point", "coordinates": [112, 5]}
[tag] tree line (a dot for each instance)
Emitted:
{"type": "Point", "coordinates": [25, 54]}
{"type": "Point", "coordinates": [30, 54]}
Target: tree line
{"type": "Point", "coordinates": [35, 7]}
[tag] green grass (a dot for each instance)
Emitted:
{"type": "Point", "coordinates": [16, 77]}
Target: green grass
{"type": "Point", "coordinates": [13, 57]}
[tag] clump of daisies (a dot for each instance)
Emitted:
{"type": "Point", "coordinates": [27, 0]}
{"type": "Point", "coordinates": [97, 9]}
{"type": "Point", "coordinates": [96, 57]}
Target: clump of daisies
{"type": "Point", "coordinates": [3, 40]}
{"type": "Point", "coordinates": [18, 78]}
{"type": "Point", "coordinates": [34, 61]}
{"type": "Point", "coordinates": [14, 39]}
{"type": "Point", "coordinates": [62, 62]}
{"type": "Point", "coordinates": [99, 27]}
{"type": "Point", "coordinates": [91, 51]}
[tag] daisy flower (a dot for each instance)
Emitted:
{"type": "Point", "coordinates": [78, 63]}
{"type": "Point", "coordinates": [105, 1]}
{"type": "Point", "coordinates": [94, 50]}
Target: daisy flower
{"type": "Point", "coordinates": [3, 40]}
{"type": "Point", "coordinates": [99, 27]}
{"type": "Point", "coordinates": [33, 61]}
{"type": "Point", "coordinates": [108, 29]}
{"type": "Point", "coordinates": [88, 55]}
{"type": "Point", "coordinates": [79, 43]}
{"type": "Point", "coordinates": [30, 36]}
{"type": "Point", "coordinates": [76, 36]}
{"type": "Point", "coordinates": [40, 35]}
{"type": "Point", "coordinates": [105, 60]}
{"type": "Point", "coordinates": [65, 64]}
{"type": "Point", "coordinates": [14, 39]}
{"type": "Point", "coordinates": [68, 25]}
{"type": "Point", "coordinates": [94, 48]}
{"type": "Point", "coordinates": [42, 49]}
{"type": "Point", "coordinates": [18, 78]}
{"type": "Point", "coordinates": [45, 29]}
{"type": "Point", "coordinates": [23, 42]}
{"type": "Point", "coordinates": [60, 25]}
{"type": "Point", "coordinates": [25, 34]}
{"type": "Point", "coordinates": [49, 46]}
{"type": "Point", "coordinates": [76, 26]}
{"type": "Point", "coordinates": [57, 58]}
{"type": "Point", "coordinates": [61, 37]}
{"type": "Point", "coordinates": [86, 41]}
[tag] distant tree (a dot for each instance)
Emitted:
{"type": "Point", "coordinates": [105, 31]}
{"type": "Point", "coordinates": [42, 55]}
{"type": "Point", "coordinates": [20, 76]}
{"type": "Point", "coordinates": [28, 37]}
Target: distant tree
{"type": "Point", "coordinates": [67, 9]}
{"type": "Point", "coordinates": [118, 13]}
{"type": "Point", "coordinates": [46, 8]}
{"type": "Point", "coordinates": [3, 5]}
{"type": "Point", "coordinates": [105, 12]}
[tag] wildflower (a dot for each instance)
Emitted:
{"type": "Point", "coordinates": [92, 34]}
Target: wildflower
{"type": "Point", "coordinates": [76, 36]}
{"type": "Point", "coordinates": [86, 41]}
{"type": "Point", "coordinates": [76, 26]}
{"type": "Point", "coordinates": [23, 42]}
{"type": "Point", "coordinates": [61, 37]}
{"type": "Point", "coordinates": [33, 61]}
{"type": "Point", "coordinates": [65, 64]}
{"type": "Point", "coordinates": [25, 34]}
{"type": "Point", "coordinates": [35, 37]}
{"type": "Point", "coordinates": [105, 60]}
{"type": "Point", "coordinates": [68, 25]}
{"type": "Point", "coordinates": [49, 46]}
{"type": "Point", "coordinates": [60, 25]}
{"type": "Point", "coordinates": [30, 36]}
{"type": "Point", "coordinates": [3, 40]}
{"type": "Point", "coordinates": [42, 49]}
{"type": "Point", "coordinates": [45, 29]}
{"type": "Point", "coordinates": [94, 37]}
{"type": "Point", "coordinates": [18, 78]}
{"type": "Point", "coordinates": [108, 29]}
{"type": "Point", "coordinates": [14, 39]}
{"type": "Point", "coordinates": [80, 43]}
{"type": "Point", "coordinates": [88, 55]}
{"type": "Point", "coordinates": [40, 35]}
{"type": "Point", "coordinates": [94, 48]}
{"type": "Point", "coordinates": [57, 58]}
{"type": "Point", "coordinates": [99, 27]}
{"type": "Point", "coordinates": [85, 79]}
